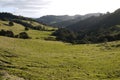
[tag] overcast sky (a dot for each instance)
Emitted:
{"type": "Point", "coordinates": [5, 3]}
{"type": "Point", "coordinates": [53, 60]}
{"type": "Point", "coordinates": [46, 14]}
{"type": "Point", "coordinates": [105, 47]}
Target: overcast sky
{"type": "Point", "coordinates": [37, 8]}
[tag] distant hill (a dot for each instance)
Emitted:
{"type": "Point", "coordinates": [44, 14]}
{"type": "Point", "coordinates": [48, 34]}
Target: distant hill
{"type": "Point", "coordinates": [51, 19]}
{"type": "Point", "coordinates": [10, 16]}
{"type": "Point", "coordinates": [41, 57]}
{"type": "Point", "coordinates": [65, 20]}
{"type": "Point", "coordinates": [25, 21]}
{"type": "Point", "coordinates": [96, 23]}
{"type": "Point", "coordinates": [93, 29]}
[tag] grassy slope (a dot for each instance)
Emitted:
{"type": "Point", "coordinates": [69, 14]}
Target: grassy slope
{"type": "Point", "coordinates": [37, 59]}
{"type": "Point", "coordinates": [38, 24]}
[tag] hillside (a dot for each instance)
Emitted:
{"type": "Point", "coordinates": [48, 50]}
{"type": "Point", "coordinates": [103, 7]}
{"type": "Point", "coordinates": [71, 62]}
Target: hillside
{"type": "Point", "coordinates": [59, 40]}
{"type": "Point", "coordinates": [24, 21]}
{"type": "Point", "coordinates": [51, 19]}
{"type": "Point", "coordinates": [92, 30]}
{"type": "Point", "coordinates": [41, 57]}
{"type": "Point", "coordinates": [65, 20]}
{"type": "Point", "coordinates": [38, 59]}
{"type": "Point", "coordinates": [103, 21]}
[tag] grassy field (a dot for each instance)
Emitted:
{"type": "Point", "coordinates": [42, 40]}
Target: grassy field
{"type": "Point", "coordinates": [38, 59]}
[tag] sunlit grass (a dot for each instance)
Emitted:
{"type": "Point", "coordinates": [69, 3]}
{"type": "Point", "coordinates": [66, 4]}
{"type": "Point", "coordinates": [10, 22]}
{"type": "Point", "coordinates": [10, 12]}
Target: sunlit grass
{"type": "Point", "coordinates": [38, 59]}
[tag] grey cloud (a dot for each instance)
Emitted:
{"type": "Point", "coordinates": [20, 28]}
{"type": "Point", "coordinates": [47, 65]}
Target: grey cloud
{"type": "Point", "coordinates": [24, 6]}
{"type": "Point", "coordinates": [24, 3]}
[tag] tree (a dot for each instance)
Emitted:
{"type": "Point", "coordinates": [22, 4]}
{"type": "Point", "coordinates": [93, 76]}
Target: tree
{"type": "Point", "coordinates": [26, 28]}
{"type": "Point", "coordinates": [6, 33]}
{"type": "Point", "coordinates": [23, 35]}
{"type": "Point", "coordinates": [2, 32]}
{"type": "Point", "coordinates": [11, 23]}
{"type": "Point", "coordinates": [9, 34]}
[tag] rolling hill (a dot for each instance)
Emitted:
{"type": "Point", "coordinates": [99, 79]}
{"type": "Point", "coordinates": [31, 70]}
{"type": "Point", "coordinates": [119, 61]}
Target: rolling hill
{"type": "Point", "coordinates": [25, 21]}
{"type": "Point", "coordinates": [41, 59]}
{"type": "Point", "coordinates": [65, 20]}
{"type": "Point", "coordinates": [51, 19]}
{"type": "Point", "coordinates": [38, 59]}
{"type": "Point", "coordinates": [103, 21]}
{"type": "Point", "coordinates": [92, 30]}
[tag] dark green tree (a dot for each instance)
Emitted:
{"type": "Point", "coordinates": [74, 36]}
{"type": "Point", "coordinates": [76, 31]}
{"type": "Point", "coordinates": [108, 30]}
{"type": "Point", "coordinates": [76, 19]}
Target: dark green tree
{"type": "Point", "coordinates": [26, 28]}
{"type": "Point", "coordinates": [23, 35]}
{"type": "Point", "coordinates": [11, 23]}
{"type": "Point", "coordinates": [9, 34]}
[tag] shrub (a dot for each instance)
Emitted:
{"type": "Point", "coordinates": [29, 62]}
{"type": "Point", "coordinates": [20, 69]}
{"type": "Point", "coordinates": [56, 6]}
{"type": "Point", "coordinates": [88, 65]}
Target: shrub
{"type": "Point", "coordinates": [26, 28]}
{"type": "Point", "coordinates": [16, 36]}
{"type": "Point", "coordinates": [23, 35]}
{"type": "Point", "coordinates": [6, 33]}
{"type": "Point", "coordinates": [11, 23]}
{"type": "Point", "coordinates": [64, 35]}
{"type": "Point", "coordinates": [2, 32]}
{"type": "Point", "coordinates": [9, 34]}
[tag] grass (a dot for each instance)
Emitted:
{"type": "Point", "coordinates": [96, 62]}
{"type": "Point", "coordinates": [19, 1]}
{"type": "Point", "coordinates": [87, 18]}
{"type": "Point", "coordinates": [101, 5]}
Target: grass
{"type": "Point", "coordinates": [37, 59]}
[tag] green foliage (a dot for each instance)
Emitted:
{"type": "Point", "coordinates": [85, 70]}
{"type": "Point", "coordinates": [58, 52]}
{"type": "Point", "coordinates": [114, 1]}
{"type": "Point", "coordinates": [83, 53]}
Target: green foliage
{"type": "Point", "coordinates": [26, 28]}
{"type": "Point", "coordinates": [11, 23]}
{"type": "Point", "coordinates": [23, 35]}
{"type": "Point", "coordinates": [93, 29]}
{"type": "Point", "coordinates": [6, 33]}
{"type": "Point", "coordinates": [64, 35]}
{"type": "Point", "coordinates": [82, 38]}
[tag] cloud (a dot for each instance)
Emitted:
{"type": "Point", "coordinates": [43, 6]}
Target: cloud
{"type": "Point", "coordinates": [22, 7]}
{"type": "Point", "coordinates": [37, 8]}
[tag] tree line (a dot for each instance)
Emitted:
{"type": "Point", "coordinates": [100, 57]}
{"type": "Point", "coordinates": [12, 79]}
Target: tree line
{"type": "Point", "coordinates": [100, 29]}
{"type": "Point", "coordinates": [82, 38]}
{"type": "Point", "coordinates": [8, 33]}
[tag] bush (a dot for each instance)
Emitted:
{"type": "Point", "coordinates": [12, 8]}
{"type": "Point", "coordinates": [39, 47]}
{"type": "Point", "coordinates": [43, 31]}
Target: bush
{"type": "Point", "coordinates": [64, 35]}
{"type": "Point", "coordinates": [16, 36]}
{"type": "Point", "coordinates": [23, 35]}
{"type": "Point", "coordinates": [6, 33]}
{"type": "Point", "coordinates": [11, 23]}
{"type": "Point", "coordinates": [2, 32]}
{"type": "Point", "coordinates": [26, 28]}
{"type": "Point", "coordinates": [9, 34]}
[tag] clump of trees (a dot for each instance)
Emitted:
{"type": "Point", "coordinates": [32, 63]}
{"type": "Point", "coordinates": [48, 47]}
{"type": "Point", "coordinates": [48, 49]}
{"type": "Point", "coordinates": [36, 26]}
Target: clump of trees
{"type": "Point", "coordinates": [22, 35]}
{"type": "Point", "coordinates": [66, 35]}
{"type": "Point", "coordinates": [6, 33]}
